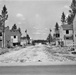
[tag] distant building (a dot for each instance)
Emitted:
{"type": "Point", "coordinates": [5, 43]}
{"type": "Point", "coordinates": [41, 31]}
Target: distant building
{"type": "Point", "coordinates": [56, 36]}
{"type": "Point", "coordinates": [26, 39]}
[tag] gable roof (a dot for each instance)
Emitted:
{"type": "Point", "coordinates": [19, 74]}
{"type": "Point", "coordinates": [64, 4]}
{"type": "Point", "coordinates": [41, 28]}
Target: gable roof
{"type": "Point", "coordinates": [23, 38]}
{"type": "Point", "coordinates": [67, 27]}
{"type": "Point", "coordinates": [6, 28]}
{"type": "Point", "coordinates": [15, 31]}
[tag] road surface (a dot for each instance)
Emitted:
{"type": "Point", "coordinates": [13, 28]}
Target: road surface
{"type": "Point", "coordinates": [38, 70]}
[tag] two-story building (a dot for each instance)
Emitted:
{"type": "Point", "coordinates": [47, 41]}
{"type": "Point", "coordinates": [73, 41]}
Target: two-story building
{"type": "Point", "coordinates": [66, 34]}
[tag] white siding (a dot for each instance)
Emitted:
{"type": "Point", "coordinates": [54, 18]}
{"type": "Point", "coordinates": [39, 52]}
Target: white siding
{"type": "Point", "coordinates": [68, 42]}
{"type": "Point", "coordinates": [24, 42]}
{"type": "Point", "coordinates": [62, 33]}
{"type": "Point", "coordinates": [74, 27]}
{"type": "Point", "coordinates": [14, 40]}
{"type": "Point", "coordinates": [70, 32]}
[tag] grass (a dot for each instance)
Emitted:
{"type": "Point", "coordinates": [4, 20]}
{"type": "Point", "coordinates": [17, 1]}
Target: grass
{"type": "Point", "coordinates": [70, 58]}
{"type": "Point", "coordinates": [3, 51]}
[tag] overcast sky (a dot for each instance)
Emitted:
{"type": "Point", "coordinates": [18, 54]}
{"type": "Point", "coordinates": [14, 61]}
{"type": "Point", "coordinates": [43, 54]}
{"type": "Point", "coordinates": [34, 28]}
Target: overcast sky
{"type": "Point", "coordinates": [37, 16]}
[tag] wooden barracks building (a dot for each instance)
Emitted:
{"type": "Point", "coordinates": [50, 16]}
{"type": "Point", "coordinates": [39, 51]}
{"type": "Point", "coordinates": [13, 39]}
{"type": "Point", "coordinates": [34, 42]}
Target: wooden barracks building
{"type": "Point", "coordinates": [67, 33]}
{"type": "Point", "coordinates": [11, 37]}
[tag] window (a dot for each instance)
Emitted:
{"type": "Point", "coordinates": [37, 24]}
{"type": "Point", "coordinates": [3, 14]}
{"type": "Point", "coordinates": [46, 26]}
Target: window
{"type": "Point", "coordinates": [14, 36]}
{"type": "Point", "coordinates": [0, 34]}
{"type": "Point", "coordinates": [67, 31]}
{"type": "Point", "coordinates": [57, 35]}
{"type": "Point", "coordinates": [67, 38]}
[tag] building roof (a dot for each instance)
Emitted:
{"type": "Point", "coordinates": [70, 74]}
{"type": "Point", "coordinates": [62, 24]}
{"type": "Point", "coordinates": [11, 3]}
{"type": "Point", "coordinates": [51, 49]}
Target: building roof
{"type": "Point", "coordinates": [15, 31]}
{"type": "Point", "coordinates": [1, 28]}
{"type": "Point", "coordinates": [67, 27]}
{"type": "Point", "coordinates": [23, 38]}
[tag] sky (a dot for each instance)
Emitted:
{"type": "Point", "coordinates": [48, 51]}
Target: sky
{"type": "Point", "coordinates": [37, 16]}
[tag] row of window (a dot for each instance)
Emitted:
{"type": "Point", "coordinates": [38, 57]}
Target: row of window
{"type": "Point", "coordinates": [68, 38]}
{"type": "Point", "coordinates": [58, 35]}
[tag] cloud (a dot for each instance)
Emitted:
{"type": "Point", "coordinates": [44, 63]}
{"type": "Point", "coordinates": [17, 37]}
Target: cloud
{"type": "Point", "coordinates": [19, 23]}
{"type": "Point", "coordinates": [37, 15]}
{"type": "Point", "coordinates": [67, 7]}
{"type": "Point", "coordinates": [19, 15]}
{"type": "Point", "coordinates": [40, 31]}
{"type": "Point", "coordinates": [37, 33]}
{"type": "Point", "coordinates": [36, 28]}
{"type": "Point", "coordinates": [45, 28]}
{"type": "Point", "coordinates": [39, 27]}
